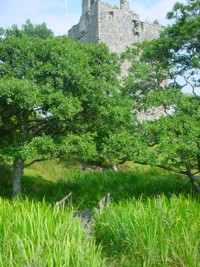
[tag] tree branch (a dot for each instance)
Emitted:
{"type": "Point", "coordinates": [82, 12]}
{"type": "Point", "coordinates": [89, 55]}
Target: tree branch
{"type": "Point", "coordinates": [34, 161]}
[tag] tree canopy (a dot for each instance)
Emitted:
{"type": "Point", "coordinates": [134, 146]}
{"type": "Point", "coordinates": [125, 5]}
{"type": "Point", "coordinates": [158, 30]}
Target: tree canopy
{"type": "Point", "coordinates": [172, 141]}
{"type": "Point", "coordinates": [57, 97]}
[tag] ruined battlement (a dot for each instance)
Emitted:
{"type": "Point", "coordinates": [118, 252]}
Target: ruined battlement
{"type": "Point", "coordinates": [117, 27]}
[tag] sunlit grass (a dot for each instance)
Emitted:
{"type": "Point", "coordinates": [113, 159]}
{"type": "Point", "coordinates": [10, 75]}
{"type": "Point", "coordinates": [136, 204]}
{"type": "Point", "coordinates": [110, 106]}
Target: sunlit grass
{"type": "Point", "coordinates": [153, 219]}
{"type": "Point", "coordinates": [48, 169]}
{"type": "Point", "coordinates": [34, 234]}
{"type": "Point", "coordinates": [156, 231]}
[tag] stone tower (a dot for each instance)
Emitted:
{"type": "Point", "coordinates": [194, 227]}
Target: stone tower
{"type": "Point", "coordinates": [124, 4]}
{"type": "Point", "coordinates": [117, 27]}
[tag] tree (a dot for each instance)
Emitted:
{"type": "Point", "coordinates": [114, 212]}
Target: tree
{"type": "Point", "coordinates": [172, 141]}
{"type": "Point", "coordinates": [38, 30]}
{"type": "Point", "coordinates": [32, 112]}
{"type": "Point", "coordinates": [57, 97]}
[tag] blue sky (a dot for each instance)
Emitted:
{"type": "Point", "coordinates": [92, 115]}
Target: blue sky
{"type": "Point", "coordinates": [60, 15]}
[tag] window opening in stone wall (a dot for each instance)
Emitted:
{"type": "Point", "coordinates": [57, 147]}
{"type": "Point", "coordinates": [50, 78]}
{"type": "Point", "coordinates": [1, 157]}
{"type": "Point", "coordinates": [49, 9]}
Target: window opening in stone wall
{"type": "Point", "coordinates": [111, 15]}
{"type": "Point", "coordinates": [136, 25]}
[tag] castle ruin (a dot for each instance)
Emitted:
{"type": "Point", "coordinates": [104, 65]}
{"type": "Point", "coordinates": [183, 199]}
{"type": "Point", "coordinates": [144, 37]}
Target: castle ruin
{"type": "Point", "coordinates": [117, 27]}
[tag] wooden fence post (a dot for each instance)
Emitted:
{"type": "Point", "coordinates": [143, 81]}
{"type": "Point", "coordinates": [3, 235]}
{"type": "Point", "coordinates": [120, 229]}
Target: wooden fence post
{"type": "Point", "coordinates": [62, 201]}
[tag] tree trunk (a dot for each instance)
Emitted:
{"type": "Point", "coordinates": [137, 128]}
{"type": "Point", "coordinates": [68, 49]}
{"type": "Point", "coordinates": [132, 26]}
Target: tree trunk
{"type": "Point", "coordinates": [113, 164]}
{"type": "Point", "coordinates": [194, 183]}
{"type": "Point", "coordinates": [18, 168]}
{"type": "Point", "coordinates": [18, 164]}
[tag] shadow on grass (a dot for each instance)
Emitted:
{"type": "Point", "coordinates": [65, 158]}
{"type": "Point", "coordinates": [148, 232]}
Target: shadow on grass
{"type": "Point", "coordinates": [89, 188]}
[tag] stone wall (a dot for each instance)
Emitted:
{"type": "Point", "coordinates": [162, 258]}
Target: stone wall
{"type": "Point", "coordinates": [87, 30]}
{"type": "Point", "coordinates": [117, 27]}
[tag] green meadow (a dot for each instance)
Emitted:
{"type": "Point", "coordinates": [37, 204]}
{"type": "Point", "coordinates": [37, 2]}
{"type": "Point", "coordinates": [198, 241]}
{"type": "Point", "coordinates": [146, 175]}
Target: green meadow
{"type": "Point", "coordinates": [153, 219]}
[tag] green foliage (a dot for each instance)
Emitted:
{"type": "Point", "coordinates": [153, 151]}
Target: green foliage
{"type": "Point", "coordinates": [179, 44]}
{"type": "Point", "coordinates": [145, 74]}
{"type": "Point", "coordinates": [185, 34]}
{"type": "Point", "coordinates": [58, 97]}
{"type": "Point", "coordinates": [30, 30]}
{"type": "Point", "coordinates": [172, 141]}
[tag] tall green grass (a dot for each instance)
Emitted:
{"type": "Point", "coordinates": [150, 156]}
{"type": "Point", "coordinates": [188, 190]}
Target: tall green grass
{"type": "Point", "coordinates": [89, 188]}
{"type": "Point", "coordinates": [153, 232]}
{"type": "Point", "coordinates": [153, 220]}
{"type": "Point", "coordinates": [34, 234]}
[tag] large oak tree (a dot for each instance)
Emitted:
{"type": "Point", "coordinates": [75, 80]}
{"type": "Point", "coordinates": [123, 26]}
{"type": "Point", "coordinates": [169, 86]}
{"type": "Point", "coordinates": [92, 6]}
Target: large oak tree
{"type": "Point", "coordinates": [57, 97]}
